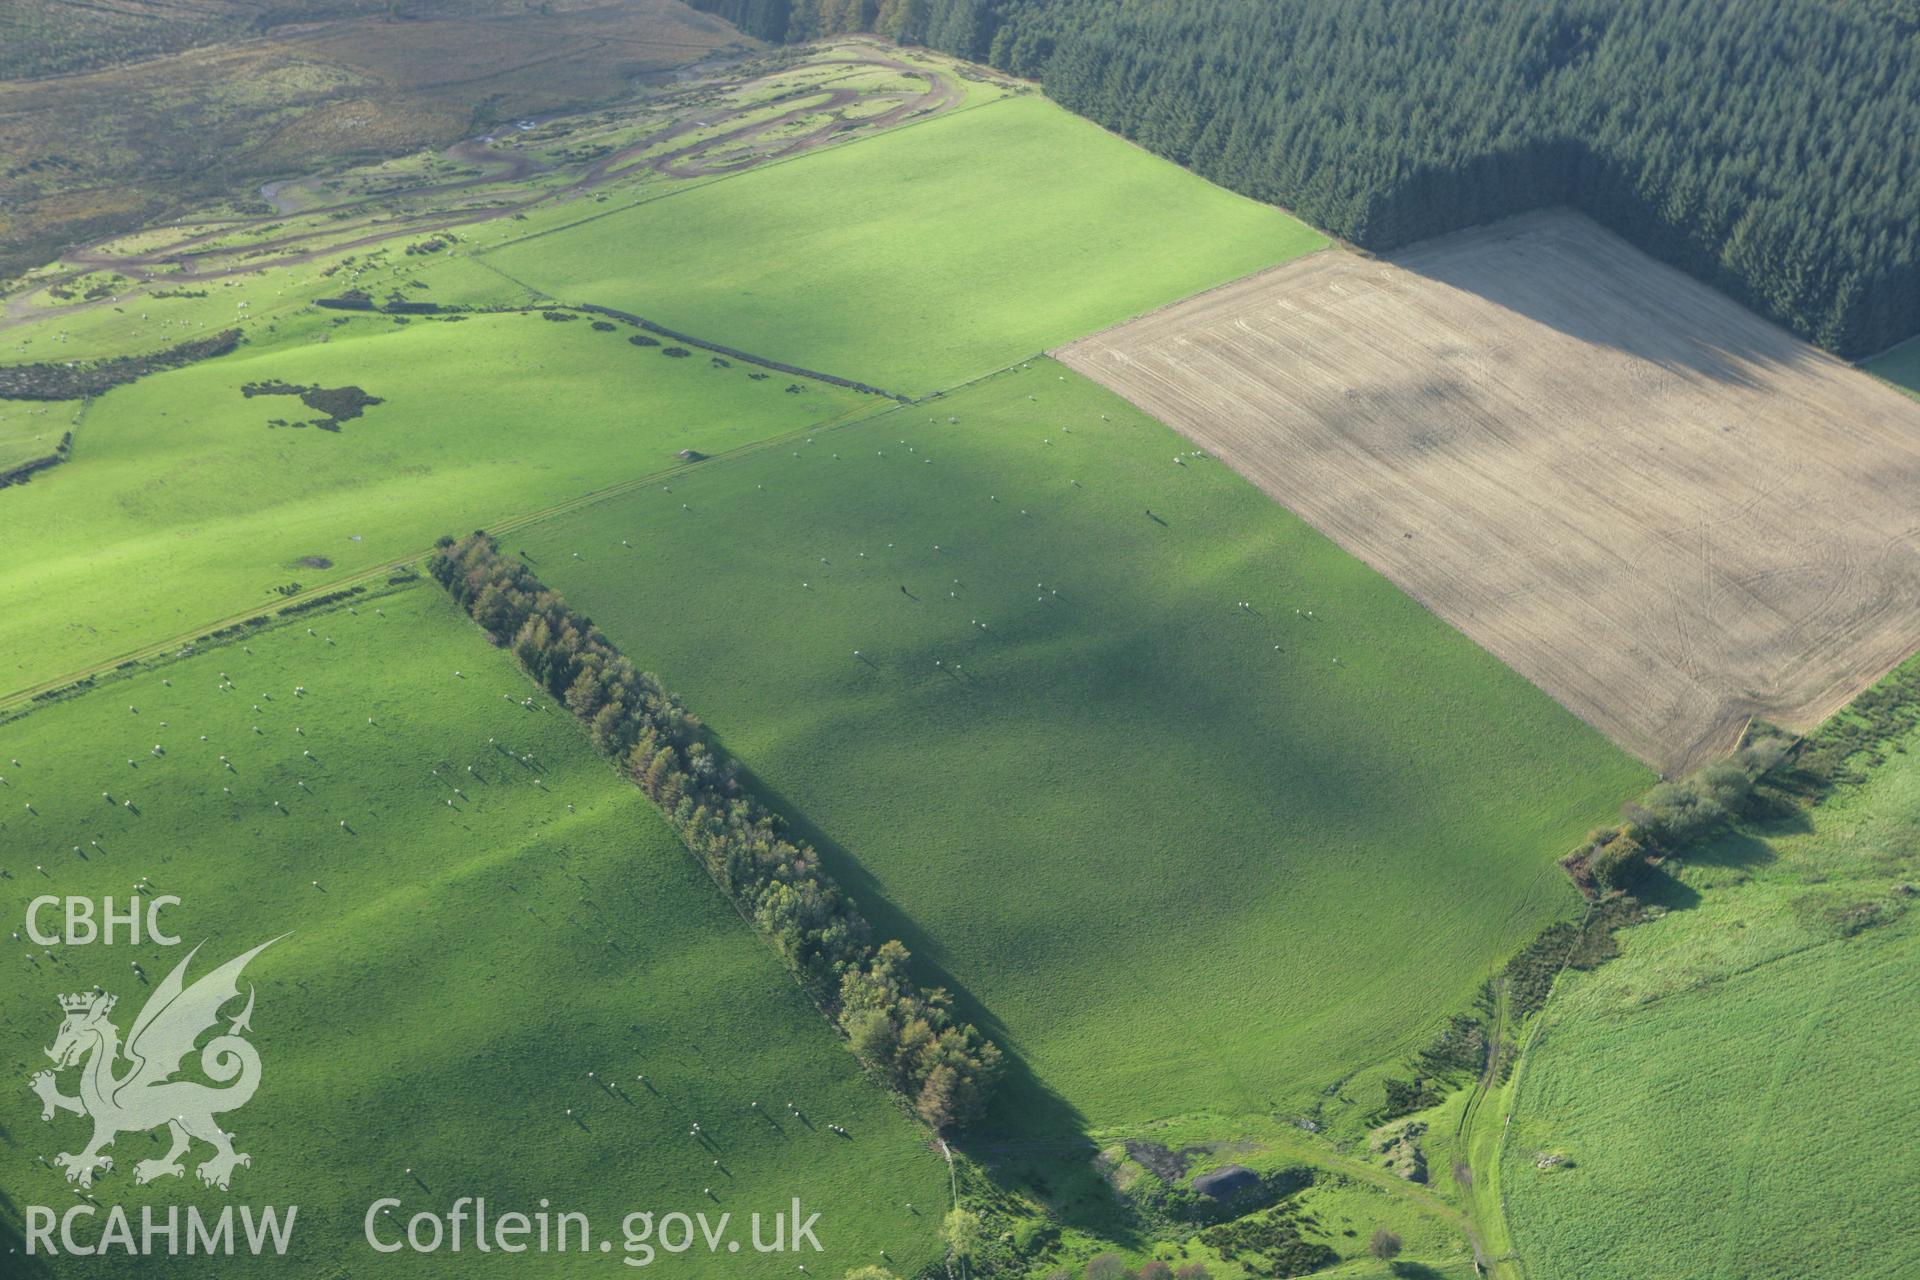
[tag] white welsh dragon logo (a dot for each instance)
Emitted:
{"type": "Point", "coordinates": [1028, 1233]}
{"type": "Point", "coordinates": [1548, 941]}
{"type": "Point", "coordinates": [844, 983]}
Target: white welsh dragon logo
{"type": "Point", "coordinates": [145, 1096]}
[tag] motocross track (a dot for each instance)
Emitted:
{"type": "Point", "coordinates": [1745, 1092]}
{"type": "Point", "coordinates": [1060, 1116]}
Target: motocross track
{"type": "Point", "coordinates": [1664, 511]}
{"type": "Point", "coordinates": [713, 155]}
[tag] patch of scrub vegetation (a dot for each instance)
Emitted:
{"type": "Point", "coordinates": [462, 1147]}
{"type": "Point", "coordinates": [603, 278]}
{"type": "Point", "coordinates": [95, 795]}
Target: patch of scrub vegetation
{"type": "Point", "coordinates": [337, 404]}
{"type": "Point", "coordinates": [1213, 750]}
{"type": "Point", "coordinates": [921, 257]}
{"type": "Point", "coordinates": [116, 147]}
{"type": "Point", "coordinates": [501, 973]}
{"type": "Point", "coordinates": [1718, 1099]}
{"type": "Point", "coordinates": [1162, 1221]}
{"type": "Point", "coordinates": [1270, 1243]}
{"type": "Point", "coordinates": [181, 510]}
{"type": "Point", "coordinates": [517, 180]}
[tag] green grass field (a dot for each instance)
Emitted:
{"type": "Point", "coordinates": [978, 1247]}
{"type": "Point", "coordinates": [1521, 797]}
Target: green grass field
{"type": "Point", "coordinates": [922, 257]}
{"type": "Point", "coordinates": [32, 430]}
{"type": "Point", "coordinates": [457, 971]}
{"type": "Point", "coordinates": [1730, 1089]}
{"type": "Point", "coordinates": [1176, 854]}
{"type": "Point", "coordinates": [181, 505]}
{"type": "Point", "coordinates": [1203, 821]}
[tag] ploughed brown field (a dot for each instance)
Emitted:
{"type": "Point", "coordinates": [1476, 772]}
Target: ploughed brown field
{"type": "Point", "coordinates": [1667, 513]}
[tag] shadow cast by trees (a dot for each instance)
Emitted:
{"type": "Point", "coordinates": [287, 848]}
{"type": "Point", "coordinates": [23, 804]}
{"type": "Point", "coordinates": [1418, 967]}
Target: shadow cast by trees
{"type": "Point", "coordinates": [1741, 847]}
{"type": "Point", "coordinates": [1561, 269]}
{"type": "Point", "coordinates": [1657, 887]}
{"type": "Point", "coordinates": [1032, 1139]}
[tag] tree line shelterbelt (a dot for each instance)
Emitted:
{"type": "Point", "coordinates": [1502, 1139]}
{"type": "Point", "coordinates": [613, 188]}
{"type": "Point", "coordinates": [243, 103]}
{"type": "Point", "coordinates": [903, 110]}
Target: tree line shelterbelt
{"type": "Point", "coordinates": [1770, 148]}
{"type": "Point", "coordinates": [943, 1066]}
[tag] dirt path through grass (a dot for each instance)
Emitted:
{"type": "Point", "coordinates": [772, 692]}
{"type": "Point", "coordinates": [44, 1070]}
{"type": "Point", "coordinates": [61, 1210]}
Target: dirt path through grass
{"type": "Point", "coordinates": [176, 261]}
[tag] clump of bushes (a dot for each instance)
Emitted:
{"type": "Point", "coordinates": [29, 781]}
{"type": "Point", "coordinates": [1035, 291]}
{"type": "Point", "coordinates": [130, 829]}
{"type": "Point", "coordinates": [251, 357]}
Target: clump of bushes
{"type": "Point", "coordinates": [320, 602]}
{"type": "Point", "coordinates": [1271, 1244]}
{"type": "Point", "coordinates": [643, 340]}
{"type": "Point", "coordinates": [1849, 744]}
{"type": "Point", "coordinates": [1614, 860]}
{"type": "Point", "coordinates": [1404, 1097]}
{"type": "Point", "coordinates": [339, 404]}
{"type": "Point", "coordinates": [945, 1067]}
{"type": "Point", "coordinates": [1674, 815]}
{"type": "Point", "coordinates": [678, 353]}
{"type": "Point", "coordinates": [1587, 945]}
{"type": "Point", "coordinates": [1459, 1051]}
{"type": "Point", "coordinates": [1460, 1047]}
{"type": "Point", "coordinates": [1184, 1204]}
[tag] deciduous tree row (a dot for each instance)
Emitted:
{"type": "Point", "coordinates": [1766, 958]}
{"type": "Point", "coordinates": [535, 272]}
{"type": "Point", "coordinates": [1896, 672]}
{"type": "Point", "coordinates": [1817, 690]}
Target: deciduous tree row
{"type": "Point", "coordinates": [909, 1036]}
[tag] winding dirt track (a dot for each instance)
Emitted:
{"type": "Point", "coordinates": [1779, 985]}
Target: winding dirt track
{"type": "Point", "coordinates": [184, 260]}
{"type": "Point", "coordinates": [1664, 511]}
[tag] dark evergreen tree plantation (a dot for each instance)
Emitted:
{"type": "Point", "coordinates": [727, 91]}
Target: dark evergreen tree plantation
{"type": "Point", "coordinates": [1770, 147]}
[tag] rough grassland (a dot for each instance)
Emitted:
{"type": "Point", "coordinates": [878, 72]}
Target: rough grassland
{"type": "Point", "coordinates": [457, 972]}
{"type": "Point", "coordinates": [181, 505]}
{"type": "Point", "coordinates": [1733, 1088]}
{"type": "Point", "coordinates": [1176, 853]}
{"type": "Point", "coordinates": [155, 137]}
{"type": "Point", "coordinates": [922, 257]}
{"type": "Point", "coordinates": [1662, 510]}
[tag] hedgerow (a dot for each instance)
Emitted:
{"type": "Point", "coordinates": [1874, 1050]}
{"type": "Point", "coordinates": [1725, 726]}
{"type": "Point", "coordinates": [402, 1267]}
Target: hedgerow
{"type": "Point", "coordinates": [90, 378]}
